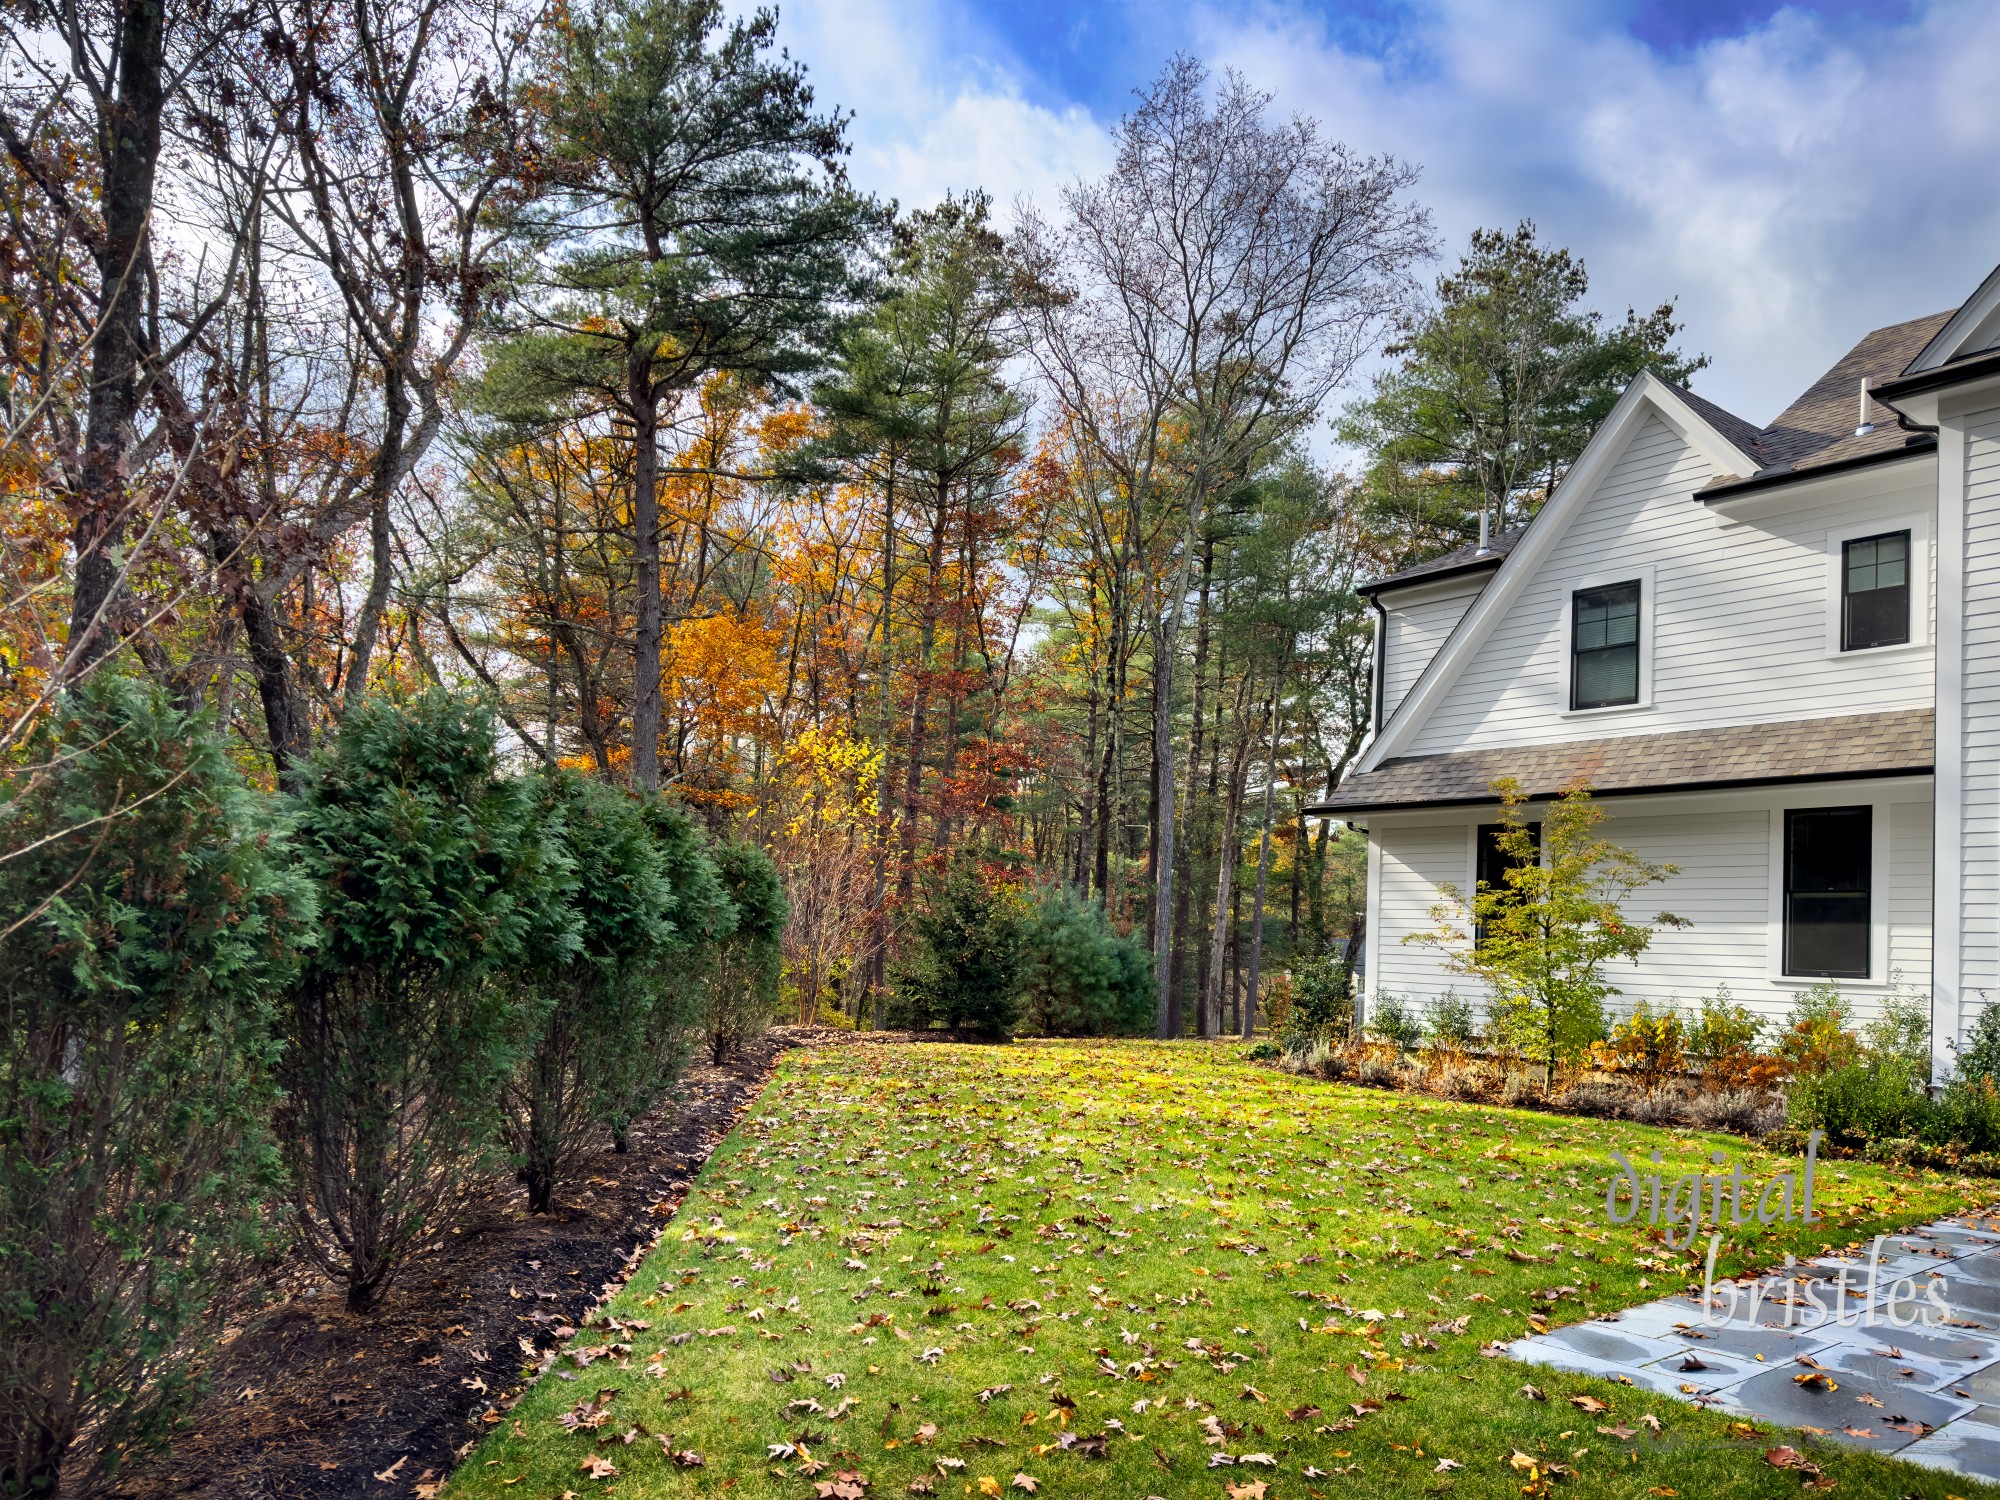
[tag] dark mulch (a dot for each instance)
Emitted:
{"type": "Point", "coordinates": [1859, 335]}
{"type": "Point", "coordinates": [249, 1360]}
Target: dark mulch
{"type": "Point", "coordinates": [311, 1402]}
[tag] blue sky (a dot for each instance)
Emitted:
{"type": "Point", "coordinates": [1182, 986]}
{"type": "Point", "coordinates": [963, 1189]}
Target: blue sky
{"type": "Point", "coordinates": [1794, 174]}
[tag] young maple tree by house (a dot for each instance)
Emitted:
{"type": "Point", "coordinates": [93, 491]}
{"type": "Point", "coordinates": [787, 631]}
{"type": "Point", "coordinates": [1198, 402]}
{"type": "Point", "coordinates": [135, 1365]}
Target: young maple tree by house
{"type": "Point", "coordinates": [1541, 939]}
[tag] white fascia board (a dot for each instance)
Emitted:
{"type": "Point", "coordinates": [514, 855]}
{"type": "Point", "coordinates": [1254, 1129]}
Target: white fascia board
{"type": "Point", "coordinates": [1979, 314]}
{"type": "Point", "coordinates": [1646, 395]}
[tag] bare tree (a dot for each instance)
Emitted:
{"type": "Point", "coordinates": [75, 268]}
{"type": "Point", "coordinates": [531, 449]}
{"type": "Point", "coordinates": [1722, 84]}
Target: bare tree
{"type": "Point", "coordinates": [1228, 273]}
{"type": "Point", "coordinates": [399, 123]}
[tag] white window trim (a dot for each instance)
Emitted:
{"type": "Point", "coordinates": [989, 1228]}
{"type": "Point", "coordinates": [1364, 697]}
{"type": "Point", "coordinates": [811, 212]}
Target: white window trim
{"type": "Point", "coordinates": [1643, 576]}
{"type": "Point", "coordinates": [1879, 876]}
{"type": "Point", "coordinates": [1917, 523]}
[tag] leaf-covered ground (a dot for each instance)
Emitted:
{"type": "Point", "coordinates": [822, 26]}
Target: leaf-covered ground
{"type": "Point", "coordinates": [1131, 1269]}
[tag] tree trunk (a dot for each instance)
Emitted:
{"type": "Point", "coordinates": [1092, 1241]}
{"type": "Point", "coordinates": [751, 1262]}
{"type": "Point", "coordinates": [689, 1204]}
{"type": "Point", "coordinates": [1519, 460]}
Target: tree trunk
{"type": "Point", "coordinates": [1153, 840]}
{"type": "Point", "coordinates": [648, 624]}
{"type": "Point", "coordinates": [1170, 918]}
{"type": "Point", "coordinates": [1263, 874]}
{"type": "Point", "coordinates": [920, 703]}
{"type": "Point", "coordinates": [1225, 880]}
{"type": "Point", "coordinates": [285, 720]}
{"type": "Point", "coordinates": [384, 478]}
{"type": "Point", "coordinates": [1106, 816]}
{"type": "Point", "coordinates": [129, 147]}
{"type": "Point", "coordinates": [878, 891]}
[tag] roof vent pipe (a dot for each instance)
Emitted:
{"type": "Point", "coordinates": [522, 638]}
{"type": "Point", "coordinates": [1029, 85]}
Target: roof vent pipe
{"type": "Point", "coordinates": [1485, 527]}
{"type": "Point", "coordinates": [1865, 426]}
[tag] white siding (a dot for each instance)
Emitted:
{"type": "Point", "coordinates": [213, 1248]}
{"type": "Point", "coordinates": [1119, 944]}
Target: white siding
{"type": "Point", "coordinates": [1415, 860]}
{"type": "Point", "coordinates": [1726, 890]}
{"type": "Point", "coordinates": [1978, 829]}
{"type": "Point", "coordinates": [1911, 828]}
{"type": "Point", "coordinates": [1414, 631]}
{"type": "Point", "coordinates": [1739, 613]}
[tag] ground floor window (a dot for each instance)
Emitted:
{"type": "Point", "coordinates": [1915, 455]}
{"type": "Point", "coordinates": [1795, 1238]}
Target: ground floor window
{"type": "Point", "coordinates": [1828, 854]}
{"type": "Point", "coordinates": [1491, 862]}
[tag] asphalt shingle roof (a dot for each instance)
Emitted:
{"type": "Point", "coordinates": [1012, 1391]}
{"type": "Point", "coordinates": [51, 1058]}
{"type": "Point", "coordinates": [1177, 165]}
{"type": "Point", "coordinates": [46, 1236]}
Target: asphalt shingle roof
{"type": "Point", "coordinates": [1469, 556]}
{"type": "Point", "coordinates": [1819, 427]}
{"type": "Point", "coordinates": [1853, 745]}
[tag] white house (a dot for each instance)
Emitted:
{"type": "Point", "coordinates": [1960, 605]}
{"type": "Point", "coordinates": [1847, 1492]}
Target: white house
{"type": "Point", "coordinates": [1774, 654]}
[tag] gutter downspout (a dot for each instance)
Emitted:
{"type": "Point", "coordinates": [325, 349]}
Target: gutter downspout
{"type": "Point", "coordinates": [1901, 421]}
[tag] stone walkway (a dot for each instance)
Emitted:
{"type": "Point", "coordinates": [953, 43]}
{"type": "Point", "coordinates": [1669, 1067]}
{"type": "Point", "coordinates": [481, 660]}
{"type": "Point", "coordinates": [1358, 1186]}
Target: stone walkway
{"type": "Point", "coordinates": [1927, 1394]}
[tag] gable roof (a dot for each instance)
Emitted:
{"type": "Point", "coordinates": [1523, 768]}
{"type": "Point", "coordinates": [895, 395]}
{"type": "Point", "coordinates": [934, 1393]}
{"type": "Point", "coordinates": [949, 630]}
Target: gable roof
{"type": "Point", "coordinates": [1819, 432]}
{"type": "Point", "coordinates": [1818, 429]}
{"type": "Point", "coordinates": [1848, 747]}
{"type": "Point", "coordinates": [1969, 330]}
{"type": "Point", "coordinates": [1460, 560]}
{"type": "Point", "coordinates": [1647, 395]}
{"type": "Point", "coordinates": [1746, 435]}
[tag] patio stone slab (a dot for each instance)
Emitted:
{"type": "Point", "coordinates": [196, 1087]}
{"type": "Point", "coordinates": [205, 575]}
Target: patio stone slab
{"type": "Point", "coordinates": [1968, 1446]}
{"type": "Point", "coordinates": [1600, 1342]}
{"type": "Point", "coordinates": [1950, 1348]}
{"type": "Point", "coordinates": [1927, 1393]}
{"type": "Point", "coordinates": [1860, 1413]}
{"type": "Point", "coordinates": [1768, 1344]}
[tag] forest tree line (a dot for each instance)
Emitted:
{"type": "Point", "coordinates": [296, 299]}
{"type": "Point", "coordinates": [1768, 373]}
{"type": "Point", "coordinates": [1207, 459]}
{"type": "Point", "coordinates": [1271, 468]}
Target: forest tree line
{"type": "Point", "coordinates": [549, 355]}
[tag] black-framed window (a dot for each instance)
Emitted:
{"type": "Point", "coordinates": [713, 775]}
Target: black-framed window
{"type": "Point", "coordinates": [1828, 858]}
{"type": "Point", "coordinates": [1604, 646]}
{"type": "Point", "coordinates": [1875, 591]}
{"type": "Point", "coordinates": [1491, 863]}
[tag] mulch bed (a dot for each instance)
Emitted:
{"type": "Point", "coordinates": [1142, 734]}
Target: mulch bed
{"type": "Point", "coordinates": [309, 1401]}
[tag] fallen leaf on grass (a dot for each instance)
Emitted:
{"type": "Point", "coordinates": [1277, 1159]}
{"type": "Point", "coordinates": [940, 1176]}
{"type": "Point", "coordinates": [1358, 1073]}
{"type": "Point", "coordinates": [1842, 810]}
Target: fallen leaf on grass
{"type": "Point", "coordinates": [1026, 1482]}
{"type": "Point", "coordinates": [599, 1467]}
{"type": "Point", "coordinates": [1250, 1490]}
{"type": "Point", "coordinates": [1446, 1465]}
{"type": "Point", "coordinates": [1588, 1403]}
{"type": "Point", "coordinates": [1790, 1458]}
{"type": "Point", "coordinates": [1533, 1393]}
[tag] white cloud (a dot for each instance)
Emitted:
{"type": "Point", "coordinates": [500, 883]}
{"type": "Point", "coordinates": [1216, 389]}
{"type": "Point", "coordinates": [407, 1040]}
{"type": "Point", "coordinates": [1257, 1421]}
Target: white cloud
{"type": "Point", "coordinates": [939, 105]}
{"type": "Point", "coordinates": [1795, 184]}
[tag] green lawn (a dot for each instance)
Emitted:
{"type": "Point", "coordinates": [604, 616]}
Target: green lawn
{"type": "Point", "coordinates": [1077, 1262]}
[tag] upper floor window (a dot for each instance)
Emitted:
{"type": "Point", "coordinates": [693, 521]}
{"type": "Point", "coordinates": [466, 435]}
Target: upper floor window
{"type": "Point", "coordinates": [1604, 646]}
{"type": "Point", "coordinates": [1875, 591]}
